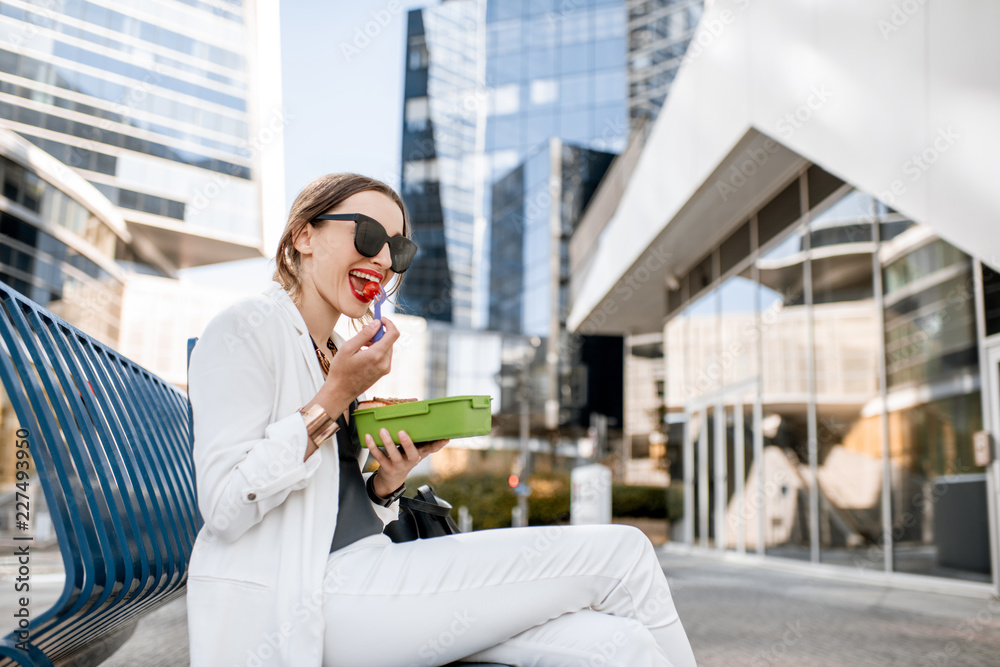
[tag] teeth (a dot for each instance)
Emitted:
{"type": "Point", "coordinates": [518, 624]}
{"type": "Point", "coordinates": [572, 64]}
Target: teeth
{"type": "Point", "coordinates": [363, 276]}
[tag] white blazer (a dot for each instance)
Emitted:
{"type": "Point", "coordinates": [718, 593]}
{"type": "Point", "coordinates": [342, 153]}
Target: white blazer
{"type": "Point", "coordinates": [255, 579]}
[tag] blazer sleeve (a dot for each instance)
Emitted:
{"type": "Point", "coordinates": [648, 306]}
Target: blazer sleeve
{"type": "Point", "coordinates": [245, 465]}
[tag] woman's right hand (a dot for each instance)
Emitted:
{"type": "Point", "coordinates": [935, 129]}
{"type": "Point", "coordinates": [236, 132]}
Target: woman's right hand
{"type": "Point", "coordinates": [359, 363]}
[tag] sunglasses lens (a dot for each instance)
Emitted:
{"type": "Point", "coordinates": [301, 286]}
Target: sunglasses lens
{"type": "Point", "coordinates": [370, 237]}
{"type": "Point", "coordinates": [402, 250]}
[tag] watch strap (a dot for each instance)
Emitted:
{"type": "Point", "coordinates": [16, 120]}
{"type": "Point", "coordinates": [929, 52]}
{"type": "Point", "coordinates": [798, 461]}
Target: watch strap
{"type": "Point", "coordinates": [379, 500]}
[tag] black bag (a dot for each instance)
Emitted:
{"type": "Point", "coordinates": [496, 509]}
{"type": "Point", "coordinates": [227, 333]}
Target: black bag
{"type": "Point", "coordinates": [422, 516]}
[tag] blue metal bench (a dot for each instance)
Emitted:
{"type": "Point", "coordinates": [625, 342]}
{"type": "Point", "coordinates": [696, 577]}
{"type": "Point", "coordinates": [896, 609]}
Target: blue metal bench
{"type": "Point", "coordinates": [112, 446]}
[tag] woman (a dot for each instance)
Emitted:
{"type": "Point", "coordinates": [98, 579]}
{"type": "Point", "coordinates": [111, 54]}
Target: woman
{"type": "Point", "coordinates": [291, 567]}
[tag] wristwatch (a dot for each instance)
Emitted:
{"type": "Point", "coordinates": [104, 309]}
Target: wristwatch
{"type": "Point", "coordinates": [379, 500]}
{"type": "Point", "coordinates": [319, 425]}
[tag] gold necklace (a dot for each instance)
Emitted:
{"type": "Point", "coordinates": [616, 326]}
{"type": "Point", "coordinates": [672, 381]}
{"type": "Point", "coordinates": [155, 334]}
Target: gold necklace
{"type": "Point", "coordinates": [324, 363]}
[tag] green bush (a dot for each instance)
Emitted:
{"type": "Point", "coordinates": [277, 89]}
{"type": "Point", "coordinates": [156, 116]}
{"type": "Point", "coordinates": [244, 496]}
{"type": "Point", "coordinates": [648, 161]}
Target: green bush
{"type": "Point", "coordinates": [638, 501]}
{"type": "Point", "coordinates": [675, 501]}
{"type": "Point", "coordinates": [490, 499]}
{"type": "Point", "coordinates": [487, 496]}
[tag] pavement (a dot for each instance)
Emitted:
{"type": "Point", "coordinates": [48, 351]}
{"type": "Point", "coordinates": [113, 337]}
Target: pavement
{"type": "Point", "coordinates": [735, 612]}
{"type": "Point", "coordinates": [741, 613]}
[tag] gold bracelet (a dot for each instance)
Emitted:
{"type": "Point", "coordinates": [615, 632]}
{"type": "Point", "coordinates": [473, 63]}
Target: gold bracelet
{"type": "Point", "coordinates": [319, 425]}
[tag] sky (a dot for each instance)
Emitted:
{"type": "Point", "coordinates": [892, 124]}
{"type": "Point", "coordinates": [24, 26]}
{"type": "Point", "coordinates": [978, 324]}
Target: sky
{"type": "Point", "coordinates": [342, 88]}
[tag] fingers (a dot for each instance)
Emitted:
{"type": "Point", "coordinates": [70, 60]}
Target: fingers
{"type": "Point", "coordinates": [409, 448]}
{"type": "Point", "coordinates": [401, 459]}
{"type": "Point", "coordinates": [360, 363]}
{"type": "Point", "coordinates": [431, 447]}
{"type": "Point", "coordinates": [391, 450]}
{"type": "Point", "coordinates": [375, 452]}
{"type": "Point", "coordinates": [391, 332]}
{"type": "Point", "coordinates": [363, 338]}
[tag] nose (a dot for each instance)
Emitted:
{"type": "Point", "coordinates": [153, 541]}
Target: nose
{"type": "Point", "coordinates": [384, 257]}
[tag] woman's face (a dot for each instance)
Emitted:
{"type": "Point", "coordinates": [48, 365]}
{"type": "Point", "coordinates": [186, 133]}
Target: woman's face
{"type": "Point", "coordinates": [332, 265]}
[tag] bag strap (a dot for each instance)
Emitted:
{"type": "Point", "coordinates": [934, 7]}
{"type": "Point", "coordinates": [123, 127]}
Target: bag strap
{"type": "Point", "coordinates": [421, 506]}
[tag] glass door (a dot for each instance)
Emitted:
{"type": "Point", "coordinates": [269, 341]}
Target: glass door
{"type": "Point", "coordinates": [722, 475]}
{"type": "Point", "coordinates": [699, 462]}
{"type": "Point", "coordinates": [742, 483]}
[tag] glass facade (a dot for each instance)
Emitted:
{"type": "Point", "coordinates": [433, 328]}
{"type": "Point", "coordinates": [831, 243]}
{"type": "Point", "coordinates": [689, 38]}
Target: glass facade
{"type": "Point", "coordinates": [536, 208]}
{"type": "Point", "coordinates": [442, 139]}
{"type": "Point", "coordinates": [58, 252]}
{"type": "Point", "coordinates": [532, 224]}
{"type": "Point", "coordinates": [659, 33]}
{"type": "Point", "coordinates": [824, 362]}
{"type": "Point", "coordinates": [486, 83]}
{"type": "Point", "coordinates": [147, 100]}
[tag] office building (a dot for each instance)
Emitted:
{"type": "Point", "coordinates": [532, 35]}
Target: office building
{"type": "Point", "coordinates": [486, 82]}
{"type": "Point", "coordinates": [172, 110]}
{"type": "Point", "coordinates": [535, 209]}
{"type": "Point", "coordinates": [659, 32]}
{"type": "Point", "coordinates": [488, 86]}
{"type": "Point", "coordinates": [58, 237]}
{"type": "Point", "coordinates": [808, 235]}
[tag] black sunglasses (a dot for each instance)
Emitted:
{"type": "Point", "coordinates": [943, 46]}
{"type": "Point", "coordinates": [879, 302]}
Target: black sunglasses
{"type": "Point", "coordinates": [370, 236]}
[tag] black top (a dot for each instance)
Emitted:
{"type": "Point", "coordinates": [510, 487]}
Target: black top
{"type": "Point", "coordinates": [356, 518]}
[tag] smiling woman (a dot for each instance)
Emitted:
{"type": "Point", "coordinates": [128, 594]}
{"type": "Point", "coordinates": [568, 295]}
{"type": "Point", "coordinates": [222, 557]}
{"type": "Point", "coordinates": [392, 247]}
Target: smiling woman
{"type": "Point", "coordinates": [292, 566]}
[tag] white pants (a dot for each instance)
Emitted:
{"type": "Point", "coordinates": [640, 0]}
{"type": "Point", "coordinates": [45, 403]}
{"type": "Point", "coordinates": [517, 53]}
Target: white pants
{"type": "Point", "coordinates": [556, 595]}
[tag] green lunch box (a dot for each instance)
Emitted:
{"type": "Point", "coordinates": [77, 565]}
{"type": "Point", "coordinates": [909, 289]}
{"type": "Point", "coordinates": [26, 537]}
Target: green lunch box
{"type": "Point", "coordinates": [424, 421]}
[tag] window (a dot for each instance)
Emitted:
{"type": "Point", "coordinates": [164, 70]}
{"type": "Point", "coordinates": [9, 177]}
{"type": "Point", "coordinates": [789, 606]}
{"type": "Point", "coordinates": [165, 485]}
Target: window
{"type": "Point", "coordinates": [505, 99]}
{"type": "Point", "coordinates": [575, 126]}
{"type": "Point", "coordinates": [575, 90]}
{"type": "Point", "coordinates": [575, 57]}
{"type": "Point", "coordinates": [507, 68]}
{"type": "Point", "coordinates": [610, 86]}
{"type": "Point", "coordinates": [416, 113]}
{"type": "Point", "coordinates": [778, 213]}
{"type": "Point", "coordinates": [735, 249]}
{"type": "Point", "coordinates": [544, 91]}
{"type": "Point", "coordinates": [418, 56]}
{"type": "Point", "coordinates": [420, 171]}
{"type": "Point", "coordinates": [991, 299]}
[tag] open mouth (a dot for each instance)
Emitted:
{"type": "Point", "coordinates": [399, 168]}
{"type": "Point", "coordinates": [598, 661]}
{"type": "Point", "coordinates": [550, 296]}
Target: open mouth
{"type": "Point", "coordinates": [358, 279]}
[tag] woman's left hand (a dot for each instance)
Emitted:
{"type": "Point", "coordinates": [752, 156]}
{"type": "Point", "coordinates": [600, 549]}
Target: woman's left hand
{"type": "Point", "coordinates": [394, 465]}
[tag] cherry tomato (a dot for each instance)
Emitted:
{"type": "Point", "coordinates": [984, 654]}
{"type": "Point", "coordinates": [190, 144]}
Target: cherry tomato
{"type": "Point", "coordinates": [371, 290]}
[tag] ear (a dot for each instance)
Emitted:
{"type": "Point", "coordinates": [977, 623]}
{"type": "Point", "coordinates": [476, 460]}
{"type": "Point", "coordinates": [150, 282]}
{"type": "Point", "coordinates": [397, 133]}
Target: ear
{"type": "Point", "coordinates": [304, 241]}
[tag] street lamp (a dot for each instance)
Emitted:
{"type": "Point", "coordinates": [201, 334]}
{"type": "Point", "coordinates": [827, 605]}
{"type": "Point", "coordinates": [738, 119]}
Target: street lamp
{"type": "Point", "coordinates": [521, 489]}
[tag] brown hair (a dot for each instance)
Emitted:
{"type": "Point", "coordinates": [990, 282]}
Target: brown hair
{"type": "Point", "coordinates": [315, 199]}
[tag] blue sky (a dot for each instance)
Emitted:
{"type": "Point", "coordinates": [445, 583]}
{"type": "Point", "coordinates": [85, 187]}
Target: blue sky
{"type": "Point", "coordinates": [342, 80]}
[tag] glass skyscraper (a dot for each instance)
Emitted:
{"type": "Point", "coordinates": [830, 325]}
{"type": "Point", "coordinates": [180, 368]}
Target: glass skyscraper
{"type": "Point", "coordinates": [659, 32]}
{"type": "Point", "coordinates": [151, 102]}
{"type": "Point", "coordinates": [486, 82]}
{"type": "Point", "coordinates": [58, 238]}
{"type": "Point", "coordinates": [443, 137]}
{"type": "Point", "coordinates": [536, 208]}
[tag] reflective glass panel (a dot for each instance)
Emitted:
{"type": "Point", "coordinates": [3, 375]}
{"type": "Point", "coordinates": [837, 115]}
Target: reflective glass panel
{"type": "Point", "coordinates": [939, 509]}
{"type": "Point", "coordinates": [848, 427]}
{"type": "Point", "coordinates": [785, 398]}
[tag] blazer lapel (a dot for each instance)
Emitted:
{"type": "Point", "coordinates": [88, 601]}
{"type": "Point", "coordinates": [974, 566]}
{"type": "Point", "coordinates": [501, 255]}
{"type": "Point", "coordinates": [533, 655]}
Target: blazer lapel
{"type": "Point", "coordinates": [285, 303]}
